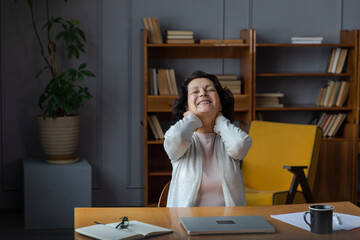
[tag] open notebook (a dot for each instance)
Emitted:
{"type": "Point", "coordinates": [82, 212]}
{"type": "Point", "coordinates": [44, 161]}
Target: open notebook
{"type": "Point", "coordinates": [135, 230]}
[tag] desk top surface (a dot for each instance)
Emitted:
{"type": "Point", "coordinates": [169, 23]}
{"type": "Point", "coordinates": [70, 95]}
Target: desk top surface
{"type": "Point", "coordinates": [169, 218]}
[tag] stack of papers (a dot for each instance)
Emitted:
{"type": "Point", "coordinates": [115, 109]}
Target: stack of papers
{"type": "Point", "coordinates": [347, 222]}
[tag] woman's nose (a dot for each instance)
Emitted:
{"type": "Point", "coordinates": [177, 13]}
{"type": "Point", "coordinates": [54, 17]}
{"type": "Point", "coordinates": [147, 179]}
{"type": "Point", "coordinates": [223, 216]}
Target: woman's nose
{"type": "Point", "coordinates": [202, 93]}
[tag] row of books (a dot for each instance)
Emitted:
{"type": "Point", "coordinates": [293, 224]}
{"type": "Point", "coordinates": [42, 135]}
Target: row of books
{"type": "Point", "coordinates": [334, 93]}
{"type": "Point", "coordinates": [153, 28]}
{"type": "Point", "coordinates": [231, 82]}
{"type": "Point", "coordinates": [179, 36]}
{"type": "Point", "coordinates": [330, 123]}
{"type": "Point", "coordinates": [162, 82]}
{"type": "Point", "coordinates": [269, 99]}
{"type": "Point", "coordinates": [306, 40]}
{"type": "Point", "coordinates": [337, 60]}
{"type": "Point", "coordinates": [155, 127]}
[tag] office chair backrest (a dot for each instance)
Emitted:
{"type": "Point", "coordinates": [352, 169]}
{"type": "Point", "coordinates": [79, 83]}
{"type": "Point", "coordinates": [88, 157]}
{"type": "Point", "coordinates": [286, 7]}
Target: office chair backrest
{"type": "Point", "coordinates": [276, 145]}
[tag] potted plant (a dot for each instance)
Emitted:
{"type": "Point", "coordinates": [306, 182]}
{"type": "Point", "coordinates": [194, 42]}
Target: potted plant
{"type": "Point", "coordinates": [59, 125]}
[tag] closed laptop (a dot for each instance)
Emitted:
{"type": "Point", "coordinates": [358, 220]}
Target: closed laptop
{"type": "Point", "coordinates": [226, 225]}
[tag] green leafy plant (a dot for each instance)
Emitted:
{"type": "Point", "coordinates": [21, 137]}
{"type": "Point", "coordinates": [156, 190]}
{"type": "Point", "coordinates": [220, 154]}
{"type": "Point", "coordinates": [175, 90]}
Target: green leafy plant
{"type": "Point", "coordinates": [64, 94]}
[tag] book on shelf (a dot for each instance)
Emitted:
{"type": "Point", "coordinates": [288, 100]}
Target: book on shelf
{"type": "Point", "coordinates": [307, 40]}
{"type": "Point", "coordinates": [268, 99]}
{"type": "Point", "coordinates": [330, 84]}
{"type": "Point", "coordinates": [233, 85]}
{"type": "Point", "coordinates": [331, 60]}
{"type": "Point", "coordinates": [153, 28]}
{"type": "Point", "coordinates": [321, 96]}
{"type": "Point", "coordinates": [162, 82]}
{"type": "Point", "coordinates": [334, 93]}
{"type": "Point", "coordinates": [337, 123]}
{"type": "Point", "coordinates": [157, 126]}
{"type": "Point", "coordinates": [153, 128]}
{"type": "Point", "coordinates": [343, 93]}
{"type": "Point", "coordinates": [180, 32]}
{"type": "Point", "coordinates": [135, 230]}
{"type": "Point", "coordinates": [222, 41]}
{"type": "Point", "coordinates": [337, 60]}
{"type": "Point", "coordinates": [330, 123]}
{"type": "Point", "coordinates": [341, 60]}
{"type": "Point", "coordinates": [174, 88]}
{"type": "Point", "coordinates": [180, 41]}
{"type": "Point", "coordinates": [230, 81]}
{"type": "Point", "coordinates": [226, 77]}
{"type": "Point", "coordinates": [180, 36]}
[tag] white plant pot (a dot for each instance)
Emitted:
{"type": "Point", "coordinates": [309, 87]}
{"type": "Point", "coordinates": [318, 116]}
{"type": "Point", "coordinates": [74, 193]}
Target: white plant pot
{"type": "Point", "coordinates": [59, 138]}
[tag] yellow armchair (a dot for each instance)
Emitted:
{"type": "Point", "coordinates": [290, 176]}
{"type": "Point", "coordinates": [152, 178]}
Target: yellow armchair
{"type": "Point", "coordinates": [282, 156]}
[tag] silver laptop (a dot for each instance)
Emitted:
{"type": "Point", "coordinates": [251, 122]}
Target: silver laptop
{"type": "Point", "coordinates": [226, 225]}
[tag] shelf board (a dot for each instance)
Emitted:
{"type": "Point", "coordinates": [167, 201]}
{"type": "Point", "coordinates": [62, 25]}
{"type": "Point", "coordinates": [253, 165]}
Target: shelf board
{"type": "Point", "coordinates": [304, 45]}
{"type": "Point", "coordinates": [303, 75]}
{"type": "Point", "coordinates": [159, 173]}
{"type": "Point", "coordinates": [309, 107]}
{"type": "Point", "coordinates": [155, 142]}
{"type": "Point", "coordinates": [197, 45]}
{"type": "Point", "coordinates": [197, 50]}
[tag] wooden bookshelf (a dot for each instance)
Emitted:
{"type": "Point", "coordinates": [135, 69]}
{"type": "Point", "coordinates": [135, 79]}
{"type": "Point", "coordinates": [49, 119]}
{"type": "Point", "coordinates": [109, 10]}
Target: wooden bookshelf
{"type": "Point", "coordinates": [338, 162]}
{"type": "Point", "coordinates": [336, 178]}
{"type": "Point", "coordinates": [157, 165]}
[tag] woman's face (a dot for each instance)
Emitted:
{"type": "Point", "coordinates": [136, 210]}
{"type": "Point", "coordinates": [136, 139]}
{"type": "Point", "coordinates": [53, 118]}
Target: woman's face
{"type": "Point", "coordinates": [203, 99]}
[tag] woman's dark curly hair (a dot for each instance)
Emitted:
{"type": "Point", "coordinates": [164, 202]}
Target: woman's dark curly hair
{"type": "Point", "coordinates": [225, 95]}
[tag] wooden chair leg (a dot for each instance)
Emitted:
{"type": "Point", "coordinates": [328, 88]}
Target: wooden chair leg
{"type": "Point", "coordinates": [298, 178]}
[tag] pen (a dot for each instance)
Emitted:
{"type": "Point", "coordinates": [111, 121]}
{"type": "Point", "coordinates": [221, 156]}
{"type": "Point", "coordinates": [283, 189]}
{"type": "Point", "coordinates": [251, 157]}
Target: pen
{"type": "Point", "coordinates": [337, 219]}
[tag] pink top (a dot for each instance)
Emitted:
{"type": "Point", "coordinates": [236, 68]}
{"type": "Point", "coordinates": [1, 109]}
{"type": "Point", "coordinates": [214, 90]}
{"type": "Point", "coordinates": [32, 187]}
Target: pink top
{"type": "Point", "coordinates": [210, 192]}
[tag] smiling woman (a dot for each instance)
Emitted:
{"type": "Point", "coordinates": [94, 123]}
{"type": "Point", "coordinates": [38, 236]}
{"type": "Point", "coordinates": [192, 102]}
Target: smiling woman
{"type": "Point", "coordinates": [205, 147]}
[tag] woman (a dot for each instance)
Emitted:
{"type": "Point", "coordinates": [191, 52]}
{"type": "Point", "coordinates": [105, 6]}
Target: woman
{"type": "Point", "coordinates": [204, 147]}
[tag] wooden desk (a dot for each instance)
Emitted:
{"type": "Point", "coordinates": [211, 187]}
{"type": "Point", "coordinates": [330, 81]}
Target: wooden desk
{"type": "Point", "coordinates": [169, 218]}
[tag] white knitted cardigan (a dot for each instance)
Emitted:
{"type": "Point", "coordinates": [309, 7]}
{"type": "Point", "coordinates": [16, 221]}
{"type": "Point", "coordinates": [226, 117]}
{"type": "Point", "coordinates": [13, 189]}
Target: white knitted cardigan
{"type": "Point", "coordinates": [183, 149]}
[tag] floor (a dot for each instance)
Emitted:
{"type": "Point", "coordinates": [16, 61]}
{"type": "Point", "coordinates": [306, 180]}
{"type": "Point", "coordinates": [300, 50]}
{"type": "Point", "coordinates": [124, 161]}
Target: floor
{"type": "Point", "coordinates": [12, 228]}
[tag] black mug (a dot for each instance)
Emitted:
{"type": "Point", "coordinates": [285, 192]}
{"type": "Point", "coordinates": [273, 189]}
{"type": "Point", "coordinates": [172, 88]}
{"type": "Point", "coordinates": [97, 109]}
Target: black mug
{"type": "Point", "coordinates": [321, 218]}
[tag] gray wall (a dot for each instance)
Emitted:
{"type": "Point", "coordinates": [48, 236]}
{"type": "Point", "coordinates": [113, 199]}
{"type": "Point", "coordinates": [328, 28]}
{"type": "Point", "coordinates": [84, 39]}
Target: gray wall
{"type": "Point", "coordinates": [111, 134]}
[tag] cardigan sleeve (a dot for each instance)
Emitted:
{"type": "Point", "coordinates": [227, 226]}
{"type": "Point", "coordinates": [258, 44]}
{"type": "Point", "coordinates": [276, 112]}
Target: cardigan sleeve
{"type": "Point", "coordinates": [178, 137]}
{"type": "Point", "coordinates": [237, 143]}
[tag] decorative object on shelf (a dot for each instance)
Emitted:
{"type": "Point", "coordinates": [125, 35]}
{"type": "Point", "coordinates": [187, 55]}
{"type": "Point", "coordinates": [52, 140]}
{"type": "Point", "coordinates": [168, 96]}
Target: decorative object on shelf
{"type": "Point", "coordinates": [64, 94]}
